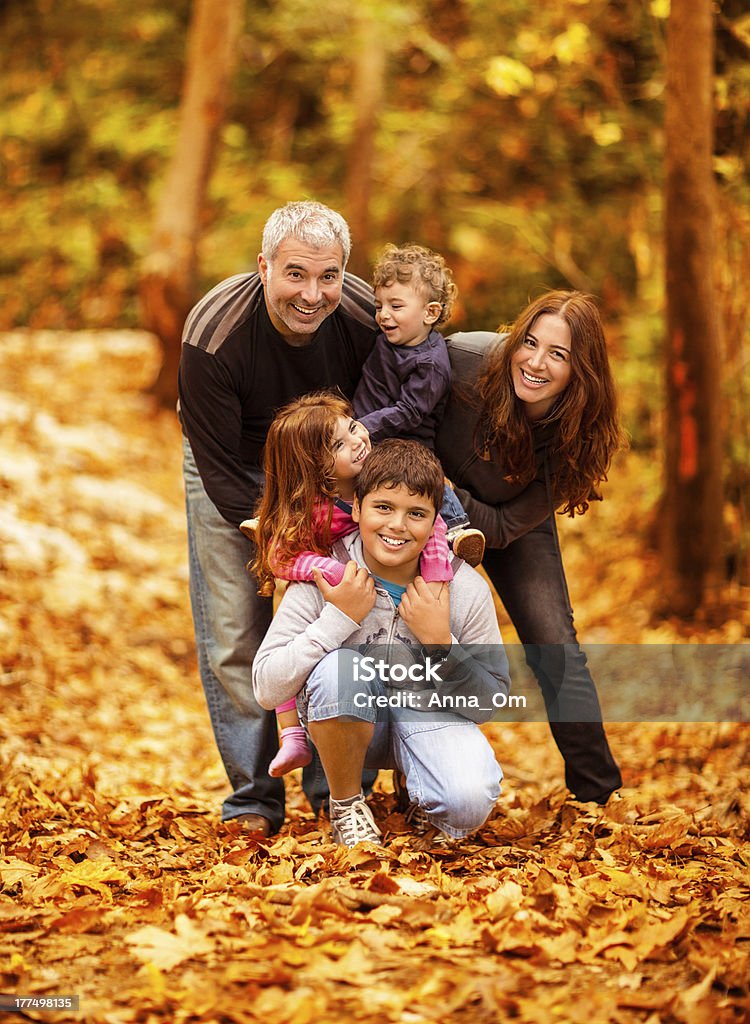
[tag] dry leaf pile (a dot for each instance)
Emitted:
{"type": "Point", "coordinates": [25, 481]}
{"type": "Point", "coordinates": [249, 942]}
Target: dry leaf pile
{"type": "Point", "coordinates": [119, 884]}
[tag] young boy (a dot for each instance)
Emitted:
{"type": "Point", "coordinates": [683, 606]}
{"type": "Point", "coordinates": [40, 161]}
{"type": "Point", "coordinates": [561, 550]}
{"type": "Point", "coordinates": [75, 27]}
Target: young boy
{"type": "Point", "coordinates": [405, 380]}
{"type": "Point", "coordinates": [388, 675]}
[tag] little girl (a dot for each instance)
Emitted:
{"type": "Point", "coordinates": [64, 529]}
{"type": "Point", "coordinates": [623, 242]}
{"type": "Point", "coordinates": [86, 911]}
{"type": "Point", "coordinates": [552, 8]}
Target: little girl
{"type": "Point", "coordinates": [314, 452]}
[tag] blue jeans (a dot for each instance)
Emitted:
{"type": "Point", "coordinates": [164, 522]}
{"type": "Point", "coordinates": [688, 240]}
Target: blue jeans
{"type": "Point", "coordinates": [452, 511]}
{"type": "Point", "coordinates": [230, 622]}
{"type": "Point", "coordinates": [529, 578]}
{"type": "Point", "coordinates": [450, 768]}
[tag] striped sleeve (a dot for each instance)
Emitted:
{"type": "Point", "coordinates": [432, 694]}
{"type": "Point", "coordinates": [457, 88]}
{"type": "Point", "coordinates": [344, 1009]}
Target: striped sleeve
{"type": "Point", "coordinates": [435, 560]}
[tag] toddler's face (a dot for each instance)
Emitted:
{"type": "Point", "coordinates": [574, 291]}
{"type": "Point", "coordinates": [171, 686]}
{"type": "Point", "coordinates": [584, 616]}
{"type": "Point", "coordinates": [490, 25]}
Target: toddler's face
{"type": "Point", "coordinates": [403, 313]}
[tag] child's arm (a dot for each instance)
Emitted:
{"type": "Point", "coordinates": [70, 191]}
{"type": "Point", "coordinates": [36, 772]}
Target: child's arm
{"type": "Point", "coordinates": [435, 560]}
{"type": "Point", "coordinates": [306, 627]}
{"type": "Point", "coordinates": [420, 393]}
{"type": "Point", "coordinates": [301, 567]}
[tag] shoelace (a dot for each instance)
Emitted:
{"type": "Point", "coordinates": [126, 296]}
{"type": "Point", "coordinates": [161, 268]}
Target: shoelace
{"type": "Point", "coordinates": [356, 825]}
{"type": "Point", "coordinates": [417, 818]}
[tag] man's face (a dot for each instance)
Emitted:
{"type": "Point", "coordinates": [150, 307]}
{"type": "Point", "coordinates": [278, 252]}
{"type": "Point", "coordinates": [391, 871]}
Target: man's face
{"type": "Point", "coordinates": [302, 287]}
{"type": "Point", "coordinates": [394, 525]}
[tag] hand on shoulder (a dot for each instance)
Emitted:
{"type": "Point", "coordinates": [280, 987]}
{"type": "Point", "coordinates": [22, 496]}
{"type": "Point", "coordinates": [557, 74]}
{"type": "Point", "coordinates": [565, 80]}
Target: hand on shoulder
{"type": "Point", "coordinates": [426, 610]}
{"type": "Point", "coordinates": [354, 596]}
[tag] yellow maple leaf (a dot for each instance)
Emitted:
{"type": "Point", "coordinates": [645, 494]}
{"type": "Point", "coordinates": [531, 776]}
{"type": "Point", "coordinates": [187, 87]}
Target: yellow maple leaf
{"type": "Point", "coordinates": [93, 875]}
{"type": "Point", "coordinates": [13, 870]}
{"type": "Point", "coordinates": [165, 949]}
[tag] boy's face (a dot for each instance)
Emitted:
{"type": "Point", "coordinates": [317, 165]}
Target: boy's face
{"type": "Point", "coordinates": [394, 525]}
{"type": "Point", "coordinates": [403, 314]}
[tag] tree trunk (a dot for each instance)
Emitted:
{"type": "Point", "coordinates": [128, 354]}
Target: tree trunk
{"type": "Point", "coordinates": [367, 96]}
{"type": "Point", "coordinates": [167, 280]}
{"type": "Point", "coordinates": [691, 538]}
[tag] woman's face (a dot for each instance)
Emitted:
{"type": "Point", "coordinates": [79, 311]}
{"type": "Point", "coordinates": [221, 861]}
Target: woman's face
{"type": "Point", "coordinates": [541, 365]}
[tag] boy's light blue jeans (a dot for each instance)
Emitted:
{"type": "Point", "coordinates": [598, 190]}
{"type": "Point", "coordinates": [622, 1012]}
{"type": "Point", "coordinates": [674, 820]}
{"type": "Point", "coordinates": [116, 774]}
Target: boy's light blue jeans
{"type": "Point", "coordinates": [450, 768]}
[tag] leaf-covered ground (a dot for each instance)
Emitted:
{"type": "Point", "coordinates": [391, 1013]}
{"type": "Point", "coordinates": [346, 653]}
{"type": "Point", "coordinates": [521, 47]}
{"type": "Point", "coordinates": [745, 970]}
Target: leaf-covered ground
{"type": "Point", "coordinates": [119, 884]}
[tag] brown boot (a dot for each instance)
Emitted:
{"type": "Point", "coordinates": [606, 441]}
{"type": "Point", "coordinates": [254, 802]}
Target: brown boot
{"type": "Point", "coordinates": [254, 823]}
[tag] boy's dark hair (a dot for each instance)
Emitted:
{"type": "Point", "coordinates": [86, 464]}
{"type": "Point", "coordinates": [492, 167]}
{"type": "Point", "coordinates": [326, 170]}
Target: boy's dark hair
{"type": "Point", "coordinates": [395, 462]}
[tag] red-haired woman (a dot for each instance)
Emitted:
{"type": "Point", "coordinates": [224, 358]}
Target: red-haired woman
{"type": "Point", "coordinates": [531, 427]}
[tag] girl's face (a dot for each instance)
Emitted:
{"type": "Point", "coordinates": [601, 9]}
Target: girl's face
{"type": "Point", "coordinates": [541, 365]}
{"type": "Point", "coordinates": [350, 447]}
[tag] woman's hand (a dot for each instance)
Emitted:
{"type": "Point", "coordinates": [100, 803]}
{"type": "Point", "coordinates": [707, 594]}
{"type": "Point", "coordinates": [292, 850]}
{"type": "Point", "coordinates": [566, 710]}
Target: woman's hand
{"type": "Point", "coordinates": [428, 616]}
{"type": "Point", "coordinates": [354, 596]}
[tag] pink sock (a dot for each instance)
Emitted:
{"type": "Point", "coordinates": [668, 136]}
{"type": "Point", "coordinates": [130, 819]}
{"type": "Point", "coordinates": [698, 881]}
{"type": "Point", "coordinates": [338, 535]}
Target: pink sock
{"type": "Point", "coordinates": [293, 753]}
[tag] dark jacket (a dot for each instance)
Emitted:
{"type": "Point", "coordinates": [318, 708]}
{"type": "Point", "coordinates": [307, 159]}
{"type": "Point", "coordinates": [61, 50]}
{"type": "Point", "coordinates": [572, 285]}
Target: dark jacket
{"type": "Point", "coordinates": [404, 389]}
{"type": "Point", "coordinates": [503, 511]}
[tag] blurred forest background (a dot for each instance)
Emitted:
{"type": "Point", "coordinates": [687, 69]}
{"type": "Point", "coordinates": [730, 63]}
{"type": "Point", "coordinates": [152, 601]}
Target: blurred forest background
{"type": "Point", "coordinates": [530, 143]}
{"type": "Point", "coordinates": [524, 141]}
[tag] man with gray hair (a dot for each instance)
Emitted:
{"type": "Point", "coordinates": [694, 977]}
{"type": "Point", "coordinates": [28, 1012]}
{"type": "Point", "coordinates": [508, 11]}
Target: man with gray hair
{"type": "Point", "coordinates": [253, 343]}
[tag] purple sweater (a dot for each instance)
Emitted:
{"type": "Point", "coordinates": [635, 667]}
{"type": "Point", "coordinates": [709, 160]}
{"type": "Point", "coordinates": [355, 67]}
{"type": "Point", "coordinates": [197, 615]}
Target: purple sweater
{"type": "Point", "coordinates": [403, 391]}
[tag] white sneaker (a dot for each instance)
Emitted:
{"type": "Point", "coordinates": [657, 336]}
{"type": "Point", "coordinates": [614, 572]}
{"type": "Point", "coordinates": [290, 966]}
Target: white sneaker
{"type": "Point", "coordinates": [354, 824]}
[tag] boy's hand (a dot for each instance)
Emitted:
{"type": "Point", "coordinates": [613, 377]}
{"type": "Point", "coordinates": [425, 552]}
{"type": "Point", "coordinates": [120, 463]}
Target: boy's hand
{"type": "Point", "coordinates": [428, 616]}
{"type": "Point", "coordinates": [354, 596]}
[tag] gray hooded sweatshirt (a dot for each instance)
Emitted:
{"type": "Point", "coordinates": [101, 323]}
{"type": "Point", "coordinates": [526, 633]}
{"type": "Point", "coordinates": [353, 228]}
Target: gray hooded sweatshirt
{"type": "Point", "coordinates": [306, 628]}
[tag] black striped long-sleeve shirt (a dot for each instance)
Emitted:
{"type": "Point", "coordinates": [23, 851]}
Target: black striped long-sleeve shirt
{"type": "Point", "coordinates": [236, 370]}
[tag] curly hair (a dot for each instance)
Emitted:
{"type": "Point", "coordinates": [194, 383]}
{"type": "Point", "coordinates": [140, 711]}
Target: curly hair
{"type": "Point", "coordinates": [296, 509]}
{"type": "Point", "coordinates": [424, 269]}
{"type": "Point", "coordinates": [585, 414]}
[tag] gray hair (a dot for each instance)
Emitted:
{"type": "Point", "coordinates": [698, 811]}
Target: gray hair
{"type": "Point", "coordinates": [312, 223]}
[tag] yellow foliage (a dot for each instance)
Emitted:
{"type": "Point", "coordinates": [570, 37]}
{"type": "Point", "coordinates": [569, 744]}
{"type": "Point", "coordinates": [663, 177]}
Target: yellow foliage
{"type": "Point", "coordinates": [509, 77]}
{"type": "Point", "coordinates": [118, 881]}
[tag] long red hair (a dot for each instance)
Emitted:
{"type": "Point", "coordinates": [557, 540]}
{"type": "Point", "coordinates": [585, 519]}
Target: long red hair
{"type": "Point", "coordinates": [300, 484]}
{"type": "Point", "coordinates": [588, 432]}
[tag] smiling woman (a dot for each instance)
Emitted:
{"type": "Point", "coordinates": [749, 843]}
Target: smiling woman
{"type": "Point", "coordinates": [541, 365]}
{"type": "Point", "coordinates": [531, 427]}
